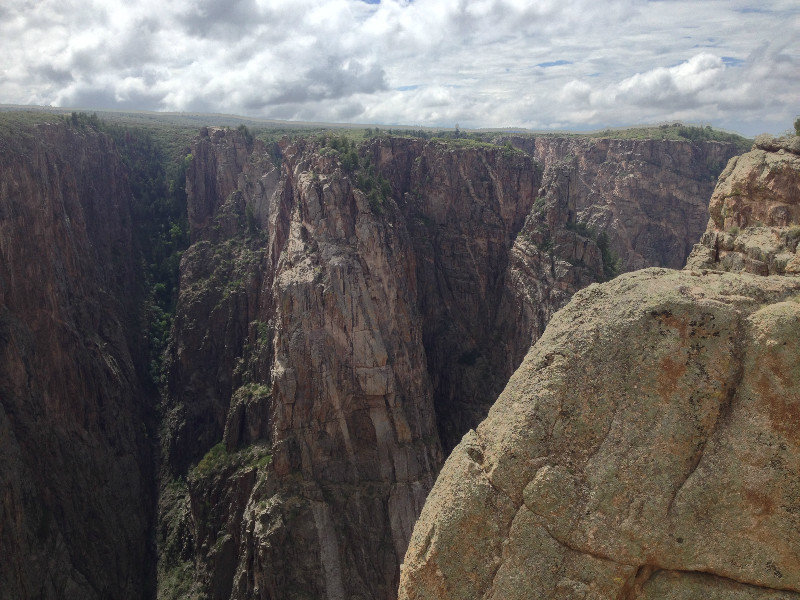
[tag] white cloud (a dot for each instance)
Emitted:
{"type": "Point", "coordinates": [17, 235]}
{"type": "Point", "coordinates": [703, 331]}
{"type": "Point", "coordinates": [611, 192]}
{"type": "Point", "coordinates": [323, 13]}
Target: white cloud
{"type": "Point", "coordinates": [437, 62]}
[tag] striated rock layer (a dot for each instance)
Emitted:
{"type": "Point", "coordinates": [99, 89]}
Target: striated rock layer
{"type": "Point", "coordinates": [340, 321]}
{"type": "Point", "coordinates": [651, 196]}
{"type": "Point", "coordinates": [76, 474]}
{"type": "Point", "coordinates": [646, 447]}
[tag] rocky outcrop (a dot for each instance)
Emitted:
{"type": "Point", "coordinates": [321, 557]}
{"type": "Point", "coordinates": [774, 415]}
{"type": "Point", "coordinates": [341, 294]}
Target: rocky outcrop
{"type": "Point", "coordinates": [298, 344]}
{"type": "Point", "coordinates": [344, 313]}
{"type": "Point", "coordinates": [645, 448]}
{"type": "Point", "coordinates": [755, 212]}
{"type": "Point", "coordinates": [77, 471]}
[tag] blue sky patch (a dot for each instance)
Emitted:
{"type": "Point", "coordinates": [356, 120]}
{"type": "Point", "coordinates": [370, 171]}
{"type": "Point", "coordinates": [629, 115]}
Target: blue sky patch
{"type": "Point", "coordinates": [554, 63]}
{"type": "Point", "coordinates": [732, 61]}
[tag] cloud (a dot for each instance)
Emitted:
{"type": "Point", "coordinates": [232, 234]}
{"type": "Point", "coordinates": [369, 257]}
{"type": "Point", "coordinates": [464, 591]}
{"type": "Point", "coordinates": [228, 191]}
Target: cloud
{"type": "Point", "coordinates": [499, 63]}
{"type": "Point", "coordinates": [677, 86]}
{"type": "Point", "coordinates": [220, 18]}
{"type": "Point", "coordinates": [554, 63]}
{"type": "Point", "coordinates": [333, 80]}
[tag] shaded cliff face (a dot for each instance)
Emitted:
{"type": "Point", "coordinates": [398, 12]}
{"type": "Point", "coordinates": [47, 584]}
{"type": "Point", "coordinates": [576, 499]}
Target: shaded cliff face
{"type": "Point", "coordinates": [645, 448]}
{"type": "Point", "coordinates": [329, 341]}
{"type": "Point", "coordinates": [77, 468]}
{"type": "Point", "coordinates": [503, 242]}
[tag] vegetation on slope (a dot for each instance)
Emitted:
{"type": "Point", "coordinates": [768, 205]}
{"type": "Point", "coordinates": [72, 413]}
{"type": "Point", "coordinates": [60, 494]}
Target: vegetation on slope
{"type": "Point", "coordinates": [676, 131]}
{"type": "Point", "coordinates": [375, 186]}
{"type": "Point", "coordinates": [611, 261]}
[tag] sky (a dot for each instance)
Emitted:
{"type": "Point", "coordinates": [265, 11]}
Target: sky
{"type": "Point", "coordinates": [537, 64]}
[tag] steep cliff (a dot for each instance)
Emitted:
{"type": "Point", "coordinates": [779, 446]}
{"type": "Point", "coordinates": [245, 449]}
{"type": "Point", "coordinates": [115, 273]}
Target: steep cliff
{"type": "Point", "coordinates": [77, 469]}
{"type": "Point", "coordinates": [651, 196]}
{"type": "Point", "coordinates": [344, 313]}
{"type": "Point", "coordinates": [646, 446]}
{"type": "Point", "coordinates": [298, 344]}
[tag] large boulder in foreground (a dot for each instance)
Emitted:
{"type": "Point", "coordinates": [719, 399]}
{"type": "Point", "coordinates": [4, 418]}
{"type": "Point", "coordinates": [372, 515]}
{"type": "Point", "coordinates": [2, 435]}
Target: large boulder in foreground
{"type": "Point", "coordinates": [648, 446]}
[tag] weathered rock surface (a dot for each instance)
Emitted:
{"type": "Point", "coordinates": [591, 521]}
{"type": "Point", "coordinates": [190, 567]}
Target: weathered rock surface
{"type": "Point", "coordinates": [648, 430]}
{"type": "Point", "coordinates": [297, 333]}
{"type": "Point", "coordinates": [76, 468]}
{"type": "Point", "coordinates": [499, 249]}
{"type": "Point", "coordinates": [329, 342]}
{"type": "Point", "coordinates": [646, 446]}
{"type": "Point", "coordinates": [491, 263]}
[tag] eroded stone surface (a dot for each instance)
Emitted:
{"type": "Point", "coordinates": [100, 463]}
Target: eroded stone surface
{"type": "Point", "coordinates": [660, 403]}
{"type": "Point", "coordinates": [755, 211]}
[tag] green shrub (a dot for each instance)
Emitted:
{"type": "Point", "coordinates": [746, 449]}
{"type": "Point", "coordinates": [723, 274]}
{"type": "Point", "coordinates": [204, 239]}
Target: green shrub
{"type": "Point", "coordinates": [582, 229]}
{"type": "Point", "coordinates": [248, 137]}
{"type": "Point", "coordinates": [611, 262]}
{"type": "Point", "coordinates": [252, 222]}
{"type": "Point", "coordinates": [214, 458]}
{"type": "Point", "coordinates": [217, 458]}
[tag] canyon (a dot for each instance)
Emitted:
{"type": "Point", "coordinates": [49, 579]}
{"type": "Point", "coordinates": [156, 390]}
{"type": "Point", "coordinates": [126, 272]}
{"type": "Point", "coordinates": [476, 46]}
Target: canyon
{"type": "Point", "coordinates": [346, 312]}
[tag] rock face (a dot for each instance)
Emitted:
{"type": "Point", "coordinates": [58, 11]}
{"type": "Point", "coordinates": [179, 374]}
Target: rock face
{"type": "Point", "coordinates": [298, 343]}
{"type": "Point", "coordinates": [345, 315]}
{"type": "Point", "coordinates": [650, 195]}
{"type": "Point", "coordinates": [337, 326]}
{"type": "Point", "coordinates": [77, 471]}
{"type": "Point", "coordinates": [493, 258]}
{"type": "Point", "coordinates": [646, 446]}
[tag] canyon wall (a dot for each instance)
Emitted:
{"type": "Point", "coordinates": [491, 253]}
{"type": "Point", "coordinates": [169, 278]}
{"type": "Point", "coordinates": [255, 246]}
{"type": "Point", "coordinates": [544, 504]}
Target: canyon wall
{"type": "Point", "coordinates": [646, 447]}
{"type": "Point", "coordinates": [345, 315]}
{"type": "Point", "coordinates": [76, 422]}
{"type": "Point", "coordinates": [651, 196]}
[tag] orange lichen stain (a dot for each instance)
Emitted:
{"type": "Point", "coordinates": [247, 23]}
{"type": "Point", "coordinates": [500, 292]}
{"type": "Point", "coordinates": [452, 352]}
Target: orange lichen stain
{"type": "Point", "coordinates": [674, 322]}
{"type": "Point", "coordinates": [782, 402]}
{"type": "Point", "coordinates": [762, 504]}
{"type": "Point", "coordinates": [669, 376]}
